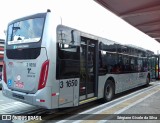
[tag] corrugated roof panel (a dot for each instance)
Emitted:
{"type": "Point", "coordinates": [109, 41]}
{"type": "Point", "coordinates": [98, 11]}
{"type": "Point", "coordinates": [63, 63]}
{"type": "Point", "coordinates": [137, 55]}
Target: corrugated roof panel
{"type": "Point", "coordinates": [142, 14]}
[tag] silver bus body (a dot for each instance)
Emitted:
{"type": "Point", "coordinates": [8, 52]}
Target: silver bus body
{"type": "Point", "coordinates": [42, 80]}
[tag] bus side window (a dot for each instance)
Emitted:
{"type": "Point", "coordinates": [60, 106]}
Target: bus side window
{"type": "Point", "coordinates": [102, 63]}
{"type": "Point", "coordinates": [68, 61]}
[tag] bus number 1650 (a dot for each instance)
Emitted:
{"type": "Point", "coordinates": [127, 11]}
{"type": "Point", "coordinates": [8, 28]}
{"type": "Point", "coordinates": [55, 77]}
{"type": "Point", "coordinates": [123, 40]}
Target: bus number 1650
{"type": "Point", "coordinates": [69, 83]}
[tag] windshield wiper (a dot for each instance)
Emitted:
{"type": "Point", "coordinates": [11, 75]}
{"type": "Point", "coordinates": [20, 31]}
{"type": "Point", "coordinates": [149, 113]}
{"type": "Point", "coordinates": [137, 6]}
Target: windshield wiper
{"type": "Point", "coordinates": [16, 28]}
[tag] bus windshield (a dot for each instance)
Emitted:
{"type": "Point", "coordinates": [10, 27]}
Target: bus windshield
{"type": "Point", "coordinates": [25, 31]}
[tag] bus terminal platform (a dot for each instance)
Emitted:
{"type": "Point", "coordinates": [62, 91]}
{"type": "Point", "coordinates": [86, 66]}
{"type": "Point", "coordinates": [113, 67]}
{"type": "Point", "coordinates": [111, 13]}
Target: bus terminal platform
{"type": "Point", "coordinates": [142, 106]}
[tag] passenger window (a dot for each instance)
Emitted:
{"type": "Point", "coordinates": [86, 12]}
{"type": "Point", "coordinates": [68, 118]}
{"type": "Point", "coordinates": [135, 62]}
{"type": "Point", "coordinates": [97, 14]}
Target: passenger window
{"type": "Point", "coordinates": [68, 63]}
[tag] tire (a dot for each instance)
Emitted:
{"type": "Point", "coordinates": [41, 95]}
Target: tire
{"type": "Point", "coordinates": [109, 91]}
{"type": "Point", "coordinates": [147, 81]}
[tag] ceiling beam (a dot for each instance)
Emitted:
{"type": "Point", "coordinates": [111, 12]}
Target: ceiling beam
{"type": "Point", "coordinates": [146, 24]}
{"type": "Point", "coordinates": [153, 31]}
{"type": "Point", "coordinates": [143, 10]}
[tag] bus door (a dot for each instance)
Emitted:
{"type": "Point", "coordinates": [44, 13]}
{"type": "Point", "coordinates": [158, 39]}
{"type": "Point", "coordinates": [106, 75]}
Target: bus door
{"type": "Point", "coordinates": [88, 68]}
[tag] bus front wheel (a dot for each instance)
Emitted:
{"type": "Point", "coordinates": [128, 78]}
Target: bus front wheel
{"type": "Point", "coordinates": [108, 91]}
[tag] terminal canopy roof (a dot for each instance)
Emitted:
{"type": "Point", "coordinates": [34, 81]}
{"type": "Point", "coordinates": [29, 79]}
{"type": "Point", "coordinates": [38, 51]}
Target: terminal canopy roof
{"type": "Point", "coordinates": [142, 14]}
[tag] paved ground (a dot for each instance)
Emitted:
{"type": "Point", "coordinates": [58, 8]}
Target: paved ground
{"type": "Point", "coordinates": [141, 106]}
{"type": "Point", "coordinates": [4, 100]}
{"type": "Point", "coordinates": [147, 110]}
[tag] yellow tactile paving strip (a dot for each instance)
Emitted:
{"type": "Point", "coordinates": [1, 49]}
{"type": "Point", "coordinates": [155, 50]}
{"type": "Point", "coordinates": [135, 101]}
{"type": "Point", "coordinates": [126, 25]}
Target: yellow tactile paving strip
{"type": "Point", "coordinates": [120, 106]}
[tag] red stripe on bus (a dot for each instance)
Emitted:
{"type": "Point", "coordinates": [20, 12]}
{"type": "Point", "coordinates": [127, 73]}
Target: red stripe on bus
{"type": "Point", "coordinates": [42, 100]}
{"type": "Point", "coordinates": [54, 94]}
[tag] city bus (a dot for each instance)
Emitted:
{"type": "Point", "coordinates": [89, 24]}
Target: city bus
{"type": "Point", "coordinates": [51, 65]}
{"type": "Point", "coordinates": [1, 59]}
{"type": "Point", "coordinates": [1, 56]}
{"type": "Point", "coordinates": [154, 66]}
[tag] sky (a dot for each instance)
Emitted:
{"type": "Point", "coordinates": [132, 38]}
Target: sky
{"type": "Point", "coordinates": [85, 15]}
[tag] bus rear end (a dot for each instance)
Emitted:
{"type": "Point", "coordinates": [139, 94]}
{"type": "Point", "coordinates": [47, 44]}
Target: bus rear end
{"type": "Point", "coordinates": [26, 62]}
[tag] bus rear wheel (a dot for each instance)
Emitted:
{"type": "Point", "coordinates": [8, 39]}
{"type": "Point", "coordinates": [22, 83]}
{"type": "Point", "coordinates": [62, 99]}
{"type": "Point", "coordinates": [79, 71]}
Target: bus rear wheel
{"type": "Point", "coordinates": [109, 91]}
{"type": "Point", "coordinates": [147, 80]}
